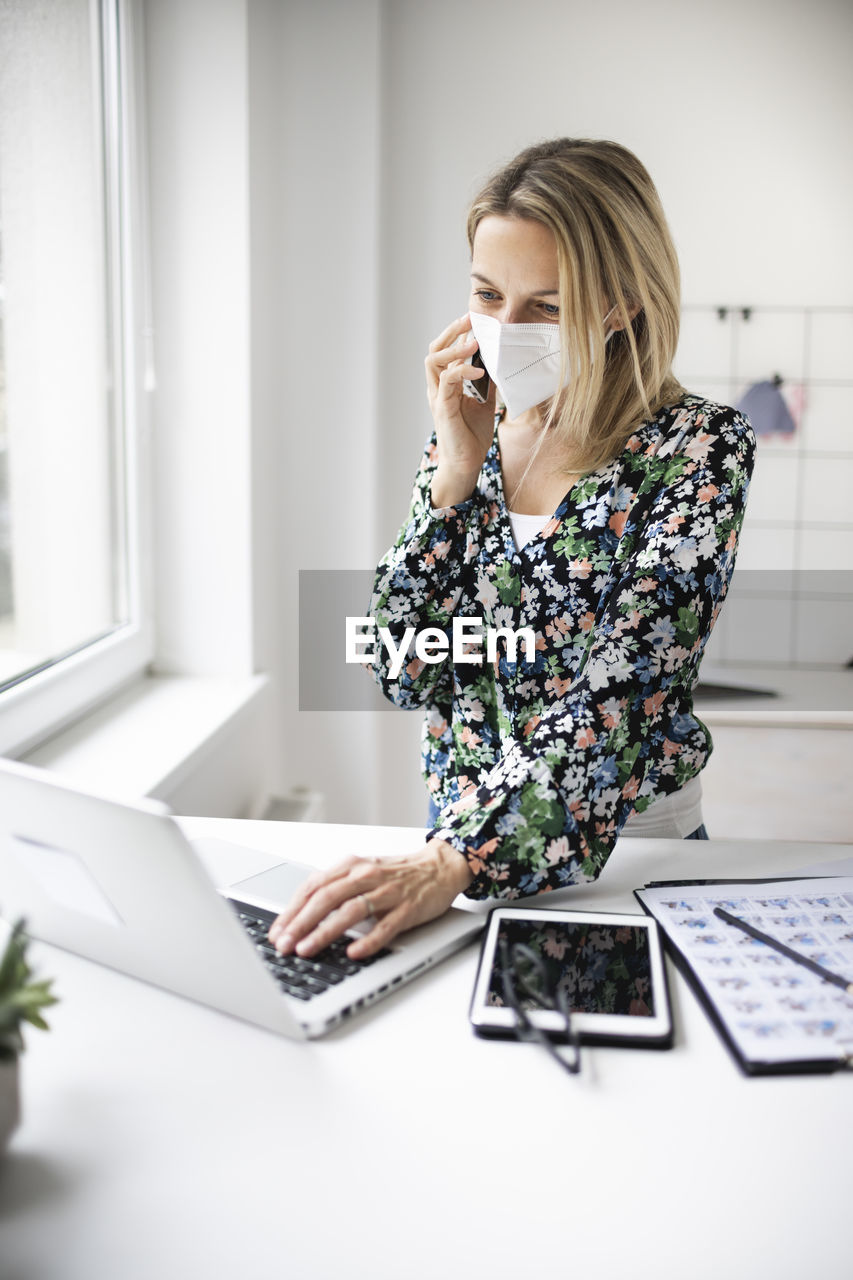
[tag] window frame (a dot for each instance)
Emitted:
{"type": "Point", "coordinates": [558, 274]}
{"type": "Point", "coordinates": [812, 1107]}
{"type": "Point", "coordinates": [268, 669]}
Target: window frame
{"type": "Point", "coordinates": [42, 702]}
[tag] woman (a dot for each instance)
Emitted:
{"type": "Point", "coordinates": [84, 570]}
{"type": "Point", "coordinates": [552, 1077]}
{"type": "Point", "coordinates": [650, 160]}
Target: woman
{"type": "Point", "coordinates": [600, 508]}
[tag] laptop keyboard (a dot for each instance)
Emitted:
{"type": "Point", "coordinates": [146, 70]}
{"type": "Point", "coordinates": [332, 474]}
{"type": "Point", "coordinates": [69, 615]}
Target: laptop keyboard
{"type": "Point", "coordinates": [299, 977]}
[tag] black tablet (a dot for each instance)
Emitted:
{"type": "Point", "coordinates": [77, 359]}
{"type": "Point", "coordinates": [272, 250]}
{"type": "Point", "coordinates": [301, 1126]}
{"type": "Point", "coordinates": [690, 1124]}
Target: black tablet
{"type": "Point", "coordinates": [609, 968]}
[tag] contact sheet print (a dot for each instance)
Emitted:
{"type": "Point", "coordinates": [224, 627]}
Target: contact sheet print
{"type": "Point", "coordinates": [773, 1010]}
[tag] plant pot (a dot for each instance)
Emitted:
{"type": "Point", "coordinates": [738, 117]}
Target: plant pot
{"type": "Point", "coordinates": [10, 1101]}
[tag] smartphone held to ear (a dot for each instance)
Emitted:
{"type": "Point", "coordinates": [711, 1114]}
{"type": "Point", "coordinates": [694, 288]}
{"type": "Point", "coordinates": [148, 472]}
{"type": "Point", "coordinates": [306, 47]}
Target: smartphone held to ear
{"type": "Point", "coordinates": [479, 389]}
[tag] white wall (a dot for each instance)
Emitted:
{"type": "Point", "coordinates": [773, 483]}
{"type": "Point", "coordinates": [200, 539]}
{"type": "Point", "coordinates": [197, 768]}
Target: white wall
{"type": "Point", "coordinates": [260, 130]}
{"type": "Point", "coordinates": [314, 81]}
{"type": "Point", "coordinates": [365, 128]}
{"type": "Point", "coordinates": [198, 141]}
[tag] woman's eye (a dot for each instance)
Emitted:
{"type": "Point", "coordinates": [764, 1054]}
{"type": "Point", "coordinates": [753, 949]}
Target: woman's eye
{"type": "Point", "coordinates": [486, 295]}
{"type": "Point", "coordinates": [550, 309]}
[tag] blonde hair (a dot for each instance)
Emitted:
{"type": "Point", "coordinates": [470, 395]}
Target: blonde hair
{"type": "Point", "coordinates": [615, 256]}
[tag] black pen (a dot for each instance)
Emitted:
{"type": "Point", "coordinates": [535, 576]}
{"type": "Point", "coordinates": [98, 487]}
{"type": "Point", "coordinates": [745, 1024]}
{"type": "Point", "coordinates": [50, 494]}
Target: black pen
{"type": "Point", "coordinates": [786, 951]}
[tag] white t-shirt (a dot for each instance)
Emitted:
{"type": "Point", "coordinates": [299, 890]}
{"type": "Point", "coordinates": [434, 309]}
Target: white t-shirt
{"type": "Point", "coordinates": [526, 527]}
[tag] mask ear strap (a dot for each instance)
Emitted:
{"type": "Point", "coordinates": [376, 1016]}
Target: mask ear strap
{"type": "Point", "coordinates": [608, 333]}
{"type": "Point", "coordinates": [633, 313]}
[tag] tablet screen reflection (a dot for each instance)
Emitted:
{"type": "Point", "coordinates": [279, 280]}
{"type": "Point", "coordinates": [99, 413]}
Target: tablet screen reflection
{"type": "Point", "coordinates": [595, 968]}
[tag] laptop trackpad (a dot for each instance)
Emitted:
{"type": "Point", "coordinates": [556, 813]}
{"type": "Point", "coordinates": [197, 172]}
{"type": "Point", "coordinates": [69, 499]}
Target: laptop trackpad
{"type": "Point", "coordinates": [272, 889]}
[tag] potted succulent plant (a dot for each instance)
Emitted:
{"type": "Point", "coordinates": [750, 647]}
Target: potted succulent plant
{"type": "Point", "coordinates": [21, 1000]}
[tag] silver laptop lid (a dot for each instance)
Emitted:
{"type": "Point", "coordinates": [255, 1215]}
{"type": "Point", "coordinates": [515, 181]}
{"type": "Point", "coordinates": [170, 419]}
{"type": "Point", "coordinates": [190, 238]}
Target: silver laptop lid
{"type": "Point", "coordinates": [120, 884]}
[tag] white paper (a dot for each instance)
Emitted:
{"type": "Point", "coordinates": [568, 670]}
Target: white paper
{"type": "Point", "coordinates": [774, 1009]}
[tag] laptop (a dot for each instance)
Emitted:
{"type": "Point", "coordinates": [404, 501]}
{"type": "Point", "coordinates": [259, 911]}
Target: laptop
{"type": "Point", "coordinates": [122, 885]}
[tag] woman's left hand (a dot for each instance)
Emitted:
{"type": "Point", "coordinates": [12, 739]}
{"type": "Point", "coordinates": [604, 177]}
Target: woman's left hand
{"type": "Point", "coordinates": [397, 892]}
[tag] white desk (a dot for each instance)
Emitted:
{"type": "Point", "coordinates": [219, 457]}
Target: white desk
{"type": "Point", "coordinates": [162, 1139]}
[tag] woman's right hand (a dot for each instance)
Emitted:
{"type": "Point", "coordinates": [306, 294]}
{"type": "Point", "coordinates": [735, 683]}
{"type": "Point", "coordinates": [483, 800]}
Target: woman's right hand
{"type": "Point", "coordinates": [464, 427]}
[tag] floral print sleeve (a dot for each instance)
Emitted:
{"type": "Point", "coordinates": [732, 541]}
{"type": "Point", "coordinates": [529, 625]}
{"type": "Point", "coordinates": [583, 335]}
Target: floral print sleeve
{"type": "Point", "coordinates": [536, 766]}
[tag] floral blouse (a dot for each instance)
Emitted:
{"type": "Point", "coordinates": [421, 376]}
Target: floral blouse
{"type": "Point", "coordinates": [536, 766]}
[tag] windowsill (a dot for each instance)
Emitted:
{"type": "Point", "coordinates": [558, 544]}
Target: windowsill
{"type": "Point", "coordinates": [198, 744]}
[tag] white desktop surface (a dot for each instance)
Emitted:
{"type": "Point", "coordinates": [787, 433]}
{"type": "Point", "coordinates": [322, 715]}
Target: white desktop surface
{"type": "Point", "coordinates": [162, 1139]}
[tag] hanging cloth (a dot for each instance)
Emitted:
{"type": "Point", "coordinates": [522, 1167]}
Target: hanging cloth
{"type": "Point", "coordinates": [766, 409]}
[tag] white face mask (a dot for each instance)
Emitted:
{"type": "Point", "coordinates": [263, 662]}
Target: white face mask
{"type": "Point", "coordinates": [523, 360]}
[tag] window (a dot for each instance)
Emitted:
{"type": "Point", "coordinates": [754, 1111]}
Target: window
{"type": "Point", "coordinates": [72, 617]}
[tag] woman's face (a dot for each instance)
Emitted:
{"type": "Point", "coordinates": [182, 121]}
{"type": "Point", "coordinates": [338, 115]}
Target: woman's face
{"type": "Point", "coordinates": [514, 272]}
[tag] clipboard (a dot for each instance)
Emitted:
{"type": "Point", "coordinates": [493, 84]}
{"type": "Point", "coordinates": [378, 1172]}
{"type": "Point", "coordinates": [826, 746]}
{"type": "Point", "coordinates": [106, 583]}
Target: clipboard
{"type": "Point", "coordinates": [773, 1015]}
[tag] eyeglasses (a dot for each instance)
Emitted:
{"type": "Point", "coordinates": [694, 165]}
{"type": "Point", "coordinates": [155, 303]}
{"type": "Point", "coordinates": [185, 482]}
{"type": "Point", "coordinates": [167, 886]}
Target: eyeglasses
{"type": "Point", "coordinates": [523, 975]}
